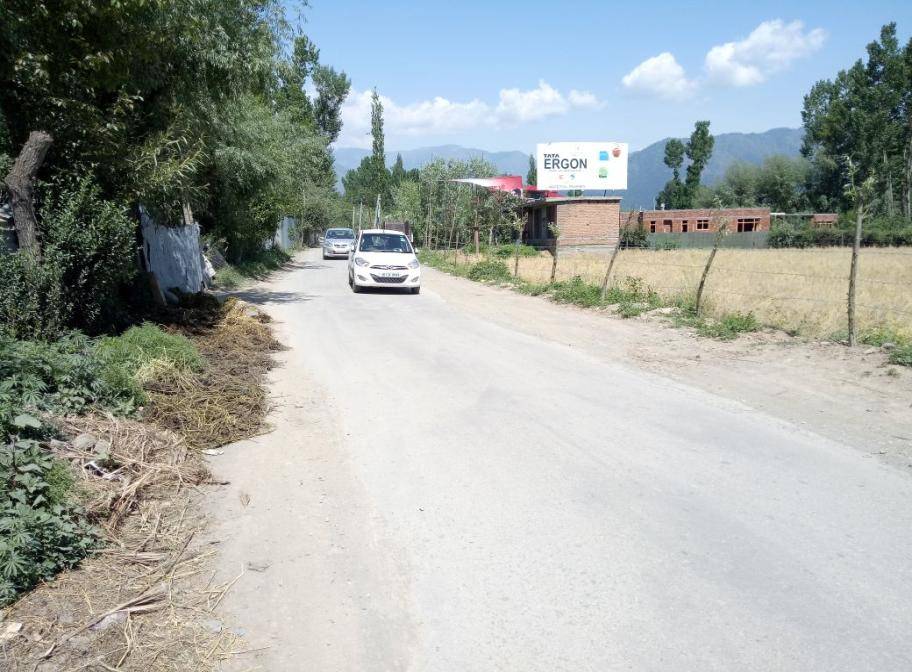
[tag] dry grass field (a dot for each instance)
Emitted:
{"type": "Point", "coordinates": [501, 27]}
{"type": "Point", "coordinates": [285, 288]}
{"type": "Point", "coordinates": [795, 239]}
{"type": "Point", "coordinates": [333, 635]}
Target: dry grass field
{"type": "Point", "coordinates": [801, 291]}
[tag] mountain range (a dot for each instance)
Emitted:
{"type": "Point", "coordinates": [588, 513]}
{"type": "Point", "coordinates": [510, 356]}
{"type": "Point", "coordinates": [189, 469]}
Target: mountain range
{"type": "Point", "coordinates": [647, 172]}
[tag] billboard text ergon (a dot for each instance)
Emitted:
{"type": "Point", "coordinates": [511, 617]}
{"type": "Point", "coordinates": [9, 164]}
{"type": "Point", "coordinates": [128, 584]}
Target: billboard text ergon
{"type": "Point", "coordinates": [582, 165]}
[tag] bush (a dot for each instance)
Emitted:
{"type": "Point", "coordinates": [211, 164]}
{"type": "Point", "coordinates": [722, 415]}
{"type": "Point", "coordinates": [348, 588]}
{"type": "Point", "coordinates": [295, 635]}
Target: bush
{"type": "Point", "coordinates": [728, 327]}
{"type": "Point", "coordinates": [634, 236]}
{"type": "Point", "coordinates": [490, 270]}
{"type": "Point", "coordinates": [902, 355]}
{"type": "Point", "coordinates": [41, 530]}
{"type": "Point", "coordinates": [60, 377]}
{"type": "Point", "coordinates": [508, 250]}
{"type": "Point", "coordinates": [578, 292]}
{"type": "Point", "coordinates": [87, 256]}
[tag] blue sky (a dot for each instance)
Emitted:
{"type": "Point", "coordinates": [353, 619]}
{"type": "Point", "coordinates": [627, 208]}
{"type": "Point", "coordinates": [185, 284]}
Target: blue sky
{"type": "Point", "coordinates": [502, 75]}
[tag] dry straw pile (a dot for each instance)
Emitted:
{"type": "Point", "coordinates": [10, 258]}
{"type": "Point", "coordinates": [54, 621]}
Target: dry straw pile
{"type": "Point", "coordinates": [801, 291]}
{"type": "Point", "coordinates": [145, 599]}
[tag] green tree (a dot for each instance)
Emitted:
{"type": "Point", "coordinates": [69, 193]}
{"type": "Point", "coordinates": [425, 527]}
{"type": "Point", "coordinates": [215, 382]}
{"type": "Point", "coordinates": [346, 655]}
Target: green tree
{"type": "Point", "coordinates": [699, 150]}
{"type": "Point", "coordinates": [672, 194]}
{"type": "Point", "coordinates": [864, 114]}
{"type": "Point", "coordinates": [332, 90]}
{"type": "Point", "coordinates": [532, 175]}
{"type": "Point", "coordinates": [397, 173]}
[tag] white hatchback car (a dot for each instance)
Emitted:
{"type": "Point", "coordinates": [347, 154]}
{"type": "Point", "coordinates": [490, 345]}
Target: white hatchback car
{"type": "Point", "coordinates": [338, 242]}
{"type": "Point", "coordinates": [383, 259]}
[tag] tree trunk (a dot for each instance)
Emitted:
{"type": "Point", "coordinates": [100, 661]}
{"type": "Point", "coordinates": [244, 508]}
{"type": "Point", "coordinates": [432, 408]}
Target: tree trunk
{"type": "Point", "coordinates": [853, 273]}
{"type": "Point", "coordinates": [21, 182]}
{"type": "Point", "coordinates": [907, 181]}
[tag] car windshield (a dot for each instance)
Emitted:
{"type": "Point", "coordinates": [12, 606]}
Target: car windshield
{"type": "Point", "coordinates": [385, 242]}
{"type": "Point", "coordinates": [340, 233]}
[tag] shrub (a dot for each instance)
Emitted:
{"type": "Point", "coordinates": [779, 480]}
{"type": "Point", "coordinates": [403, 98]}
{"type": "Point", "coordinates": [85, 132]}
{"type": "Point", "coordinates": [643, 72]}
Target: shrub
{"type": "Point", "coordinates": [729, 326]}
{"type": "Point", "coordinates": [634, 236]}
{"type": "Point", "coordinates": [902, 355]}
{"type": "Point", "coordinates": [578, 292]}
{"type": "Point", "coordinates": [41, 530]}
{"type": "Point", "coordinates": [534, 289]}
{"type": "Point", "coordinates": [508, 250]}
{"type": "Point", "coordinates": [87, 255]}
{"type": "Point", "coordinates": [490, 270]}
{"type": "Point", "coordinates": [61, 377]}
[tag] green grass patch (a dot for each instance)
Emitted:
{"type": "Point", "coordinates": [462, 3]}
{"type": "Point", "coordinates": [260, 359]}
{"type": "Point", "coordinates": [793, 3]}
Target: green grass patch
{"type": "Point", "coordinates": [577, 292]}
{"type": "Point", "coordinates": [254, 268]}
{"type": "Point", "coordinates": [489, 270]}
{"type": "Point", "coordinates": [728, 328]}
{"type": "Point", "coordinates": [534, 288]}
{"type": "Point", "coordinates": [508, 251]}
{"type": "Point", "coordinates": [139, 353]}
{"type": "Point", "coordinates": [901, 355]}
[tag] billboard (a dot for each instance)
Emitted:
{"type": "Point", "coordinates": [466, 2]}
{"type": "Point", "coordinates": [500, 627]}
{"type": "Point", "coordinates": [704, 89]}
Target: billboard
{"type": "Point", "coordinates": [581, 165]}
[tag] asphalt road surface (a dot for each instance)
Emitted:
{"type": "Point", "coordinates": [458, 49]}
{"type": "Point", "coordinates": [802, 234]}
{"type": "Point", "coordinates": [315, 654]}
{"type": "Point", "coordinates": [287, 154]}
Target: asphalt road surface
{"type": "Point", "coordinates": [443, 492]}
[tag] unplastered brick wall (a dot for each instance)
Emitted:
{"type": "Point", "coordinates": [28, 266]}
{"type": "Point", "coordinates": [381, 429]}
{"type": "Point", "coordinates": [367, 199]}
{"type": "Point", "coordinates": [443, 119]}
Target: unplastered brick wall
{"type": "Point", "coordinates": [686, 221]}
{"type": "Point", "coordinates": [589, 223]}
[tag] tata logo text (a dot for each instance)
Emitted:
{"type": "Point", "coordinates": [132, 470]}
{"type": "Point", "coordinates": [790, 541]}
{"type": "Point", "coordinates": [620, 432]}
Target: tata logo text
{"type": "Point", "coordinates": [555, 162]}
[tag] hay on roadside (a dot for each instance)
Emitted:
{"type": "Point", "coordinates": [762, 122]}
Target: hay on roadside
{"type": "Point", "coordinates": [226, 402]}
{"type": "Point", "coordinates": [142, 600]}
{"type": "Point", "coordinates": [138, 601]}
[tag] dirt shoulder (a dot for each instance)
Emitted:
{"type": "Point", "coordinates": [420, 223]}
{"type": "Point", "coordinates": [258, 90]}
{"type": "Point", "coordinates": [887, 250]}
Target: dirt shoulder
{"type": "Point", "coordinates": [853, 396]}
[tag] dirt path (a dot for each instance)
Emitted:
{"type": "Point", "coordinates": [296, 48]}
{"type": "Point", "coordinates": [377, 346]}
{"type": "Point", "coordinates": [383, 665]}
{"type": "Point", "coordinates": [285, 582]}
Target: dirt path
{"type": "Point", "coordinates": [470, 479]}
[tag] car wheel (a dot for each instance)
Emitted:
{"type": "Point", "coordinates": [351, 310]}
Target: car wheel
{"type": "Point", "coordinates": [355, 288]}
{"type": "Point", "coordinates": [324, 256]}
{"type": "Point", "coordinates": [416, 290]}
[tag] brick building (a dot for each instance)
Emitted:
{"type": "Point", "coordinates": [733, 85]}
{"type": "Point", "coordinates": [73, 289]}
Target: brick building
{"type": "Point", "coordinates": [740, 220]}
{"type": "Point", "coordinates": [581, 221]}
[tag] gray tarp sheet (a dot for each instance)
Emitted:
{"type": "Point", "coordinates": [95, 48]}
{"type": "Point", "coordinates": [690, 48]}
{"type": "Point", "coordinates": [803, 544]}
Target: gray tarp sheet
{"type": "Point", "coordinates": [174, 255]}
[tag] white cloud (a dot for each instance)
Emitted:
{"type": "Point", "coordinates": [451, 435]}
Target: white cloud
{"type": "Point", "coordinates": [440, 116]}
{"type": "Point", "coordinates": [770, 48]}
{"type": "Point", "coordinates": [661, 76]}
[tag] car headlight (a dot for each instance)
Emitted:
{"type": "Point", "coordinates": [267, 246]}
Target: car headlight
{"type": "Point", "coordinates": [413, 264]}
{"type": "Point", "coordinates": [359, 261]}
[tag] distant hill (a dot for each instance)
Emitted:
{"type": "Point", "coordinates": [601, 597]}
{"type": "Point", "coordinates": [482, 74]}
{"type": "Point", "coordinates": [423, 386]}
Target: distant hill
{"type": "Point", "coordinates": [647, 173]}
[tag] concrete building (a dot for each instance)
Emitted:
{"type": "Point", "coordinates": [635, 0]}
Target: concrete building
{"type": "Point", "coordinates": [580, 221]}
{"type": "Point", "coordinates": [740, 220]}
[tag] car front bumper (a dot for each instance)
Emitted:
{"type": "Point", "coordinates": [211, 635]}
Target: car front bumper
{"type": "Point", "coordinates": [331, 252]}
{"type": "Point", "coordinates": [366, 277]}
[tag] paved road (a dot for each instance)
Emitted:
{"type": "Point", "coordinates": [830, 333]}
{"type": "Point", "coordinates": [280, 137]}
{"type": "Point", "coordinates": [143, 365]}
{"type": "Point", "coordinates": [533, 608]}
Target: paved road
{"type": "Point", "coordinates": [443, 493]}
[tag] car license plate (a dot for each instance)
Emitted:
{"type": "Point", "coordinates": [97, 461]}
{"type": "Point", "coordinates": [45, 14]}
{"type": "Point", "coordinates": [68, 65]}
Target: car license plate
{"type": "Point", "coordinates": [389, 274]}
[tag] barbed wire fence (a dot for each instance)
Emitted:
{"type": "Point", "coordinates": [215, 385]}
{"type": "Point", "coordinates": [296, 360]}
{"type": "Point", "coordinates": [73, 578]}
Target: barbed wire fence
{"type": "Point", "coordinates": [619, 258]}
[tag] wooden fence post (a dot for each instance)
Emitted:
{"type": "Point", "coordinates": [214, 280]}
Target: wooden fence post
{"type": "Point", "coordinates": [712, 255]}
{"type": "Point", "coordinates": [554, 260]}
{"type": "Point", "coordinates": [617, 249]}
{"type": "Point", "coordinates": [853, 273]}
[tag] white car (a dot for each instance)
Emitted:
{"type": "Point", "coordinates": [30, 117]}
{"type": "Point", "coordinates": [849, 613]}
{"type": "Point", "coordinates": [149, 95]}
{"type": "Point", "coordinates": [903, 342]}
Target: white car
{"type": "Point", "coordinates": [338, 243]}
{"type": "Point", "coordinates": [383, 259]}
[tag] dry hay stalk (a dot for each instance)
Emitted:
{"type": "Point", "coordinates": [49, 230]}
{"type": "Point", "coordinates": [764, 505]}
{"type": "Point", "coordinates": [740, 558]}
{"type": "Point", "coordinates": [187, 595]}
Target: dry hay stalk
{"type": "Point", "coordinates": [226, 402]}
{"type": "Point", "coordinates": [136, 604]}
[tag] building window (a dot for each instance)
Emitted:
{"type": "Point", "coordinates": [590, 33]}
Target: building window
{"type": "Point", "coordinates": [702, 225]}
{"type": "Point", "coordinates": [652, 228]}
{"type": "Point", "coordinates": [747, 224]}
{"type": "Point", "coordinates": [684, 226]}
{"type": "Point", "coordinates": [667, 225]}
